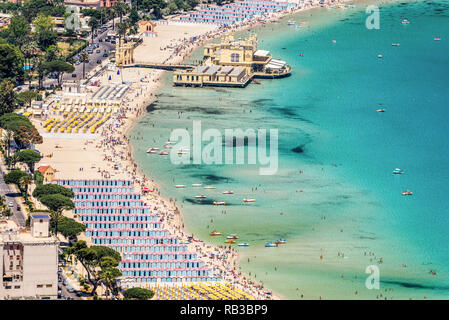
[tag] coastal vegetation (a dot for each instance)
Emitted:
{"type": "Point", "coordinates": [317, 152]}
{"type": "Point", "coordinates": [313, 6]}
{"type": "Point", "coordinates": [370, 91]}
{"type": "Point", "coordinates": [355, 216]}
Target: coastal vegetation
{"type": "Point", "coordinates": [101, 264]}
{"type": "Point", "coordinates": [138, 294]}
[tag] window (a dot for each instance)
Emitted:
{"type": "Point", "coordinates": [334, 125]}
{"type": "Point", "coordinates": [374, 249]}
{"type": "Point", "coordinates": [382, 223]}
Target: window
{"type": "Point", "coordinates": [16, 287]}
{"type": "Point", "coordinates": [49, 286]}
{"type": "Point", "coordinates": [40, 286]}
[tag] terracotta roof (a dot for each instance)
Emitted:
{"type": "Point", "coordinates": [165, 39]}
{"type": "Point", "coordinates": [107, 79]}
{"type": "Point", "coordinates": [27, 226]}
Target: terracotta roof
{"type": "Point", "coordinates": [143, 22]}
{"type": "Point", "coordinates": [42, 169]}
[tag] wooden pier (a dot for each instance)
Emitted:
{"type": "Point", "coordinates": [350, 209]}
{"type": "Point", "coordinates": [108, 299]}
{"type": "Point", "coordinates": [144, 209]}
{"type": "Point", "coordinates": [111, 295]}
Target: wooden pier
{"type": "Point", "coordinates": [161, 66]}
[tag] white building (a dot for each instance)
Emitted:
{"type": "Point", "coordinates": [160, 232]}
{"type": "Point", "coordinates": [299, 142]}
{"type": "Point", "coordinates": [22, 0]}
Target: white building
{"type": "Point", "coordinates": [28, 260]}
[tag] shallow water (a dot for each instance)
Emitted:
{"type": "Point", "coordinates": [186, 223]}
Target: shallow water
{"type": "Point", "coordinates": [346, 201]}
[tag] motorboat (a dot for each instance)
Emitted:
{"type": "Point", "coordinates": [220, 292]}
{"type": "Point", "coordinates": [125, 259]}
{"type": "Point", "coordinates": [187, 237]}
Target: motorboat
{"type": "Point", "coordinates": [163, 153]}
{"type": "Point", "coordinates": [398, 171]}
{"type": "Point", "coordinates": [196, 185]}
{"type": "Point", "coordinates": [180, 186]}
{"type": "Point", "coordinates": [215, 233]}
{"type": "Point", "coordinates": [228, 192]}
{"type": "Point", "coordinates": [380, 56]}
{"type": "Point", "coordinates": [200, 196]}
{"type": "Point", "coordinates": [249, 200]}
{"type": "Point", "coordinates": [209, 187]}
{"type": "Point", "coordinates": [270, 244]}
{"type": "Point", "coordinates": [219, 203]}
{"type": "Point", "coordinates": [405, 21]}
{"type": "Point", "coordinates": [437, 38]}
{"type": "Point", "coordinates": [229, 241]}
{"type": "Point", "coordinates": [244, 244]}
{"type": "Point", "coordinates": [407, 193]}
{"type": "Point", "coordinates": [380, 110]}
{"type": "Point", "coordinates": [198, 240]}
{"type": "Point", "coordinates": [291, 23]}
{"type": "Point", "coordinates": [395, 44]}
{"type": "Point", "coordinates": [232, 236]}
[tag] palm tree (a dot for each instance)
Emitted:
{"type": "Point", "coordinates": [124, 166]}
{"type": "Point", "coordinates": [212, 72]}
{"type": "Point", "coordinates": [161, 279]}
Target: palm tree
{"type": "Point", "coordinates": [13, 160]}
{"type": "Point", "coordinates": [122, 28]}
{"type": "Point", "coordinates": [93, 24]}
{"type": "Point", "coordinates": [56, 216]}
{"type": "Point", "coordinates": [121, 8]}
{"type": "Point", "coordinates": [112, 15]}
{"type": "Point", "coordinates": [9, 134]}
{"type": "Point", "coordinates": [83, 58]}
{"type": "Point", "coordinates": [24, 183]}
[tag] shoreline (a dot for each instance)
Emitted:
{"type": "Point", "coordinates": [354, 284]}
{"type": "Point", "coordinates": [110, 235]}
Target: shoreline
{"type": "Point", "coordinates": [170, 215]}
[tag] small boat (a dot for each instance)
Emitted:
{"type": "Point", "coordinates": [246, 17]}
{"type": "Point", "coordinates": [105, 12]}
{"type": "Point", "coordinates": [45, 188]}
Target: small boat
{"type": "Point", "coordinates": [169, 142]}
{"type": "Point", "coordinates": [301, 54]}
{"type": "Point", "coordinates": [232, 236]}
{"type": "Point", "coordinates": [200, 197]}
{"type": "Point", "coordinates": [380, 56]}
{"type": "Point", "coordinates": [163, 153]}
{"type": "Point", "coordinates": [180, 186]}
{"type": "Point", "coordinates": [334, 41]}
{"type": "Point", "coordinates": [196, 185]}
{"type": "Point", "coordinates": [152, 150]}
{"type": "Point", "coordinates": [437, 38]}
{"type": "Point", "coordinates": [291, 23]}
{"type": "Point", "coordinates": [395, 44]}
{"type": "Point", "coordinates": [244, 244]}
{"type": "Point", "coordinates": [380, 110]}
{"type": "Point", "coordinates": [215, 233]}
{"type": "Point", "coordinates": [182, 152]}
{"type": "Point", "coordinates": [249, 200]}
{"type": "Point", "coordinates": [398, 171]}
{"type": "Point", "coordinates": [229, 241]}
{"type": "Point", "coordinates": [405, 21]}
{"type": "Point", "coordinates": [270, 244]}
{"type": "Point", "coordinates": [228, 192]}
{"type": "Point", "coordinates": [209, 187]}
{"type": "Point", "coordinates": [281, 241]}
{"type": "Point", "coordinates": [407, 193]}
{"type": "Point", "coordinates": [219, 203]}
{"type": "Point", "coordinates": [198, 240]}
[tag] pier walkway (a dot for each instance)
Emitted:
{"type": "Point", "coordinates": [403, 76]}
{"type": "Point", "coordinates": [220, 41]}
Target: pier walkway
{"type": "Point", "coordinates": [162, 66]}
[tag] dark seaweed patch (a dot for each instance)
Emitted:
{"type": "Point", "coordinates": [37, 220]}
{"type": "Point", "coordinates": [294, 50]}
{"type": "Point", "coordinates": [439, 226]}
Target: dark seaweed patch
{"type": "Point", "coordinates": [414, 285]}
{"type": "Point", "coordinates": [298, 149]}
{"type": "Point", "coordinates": [151, 107]}
{"type": "Point", "coordinates": [209, 178]}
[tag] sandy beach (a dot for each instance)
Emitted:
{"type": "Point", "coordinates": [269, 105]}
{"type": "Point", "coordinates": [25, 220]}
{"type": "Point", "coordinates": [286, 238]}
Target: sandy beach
{"type": "Point", "coordinates": [107, 154]}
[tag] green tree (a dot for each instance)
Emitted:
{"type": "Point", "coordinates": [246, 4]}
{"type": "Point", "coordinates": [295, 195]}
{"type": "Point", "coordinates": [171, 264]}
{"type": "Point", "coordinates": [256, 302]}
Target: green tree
{"type": "Point", "coordinates": [29, 157]}
{"type": "Point", "coordinates": [38, 178]}
{"type": "Point", "coordinates": [7, 137]}
{"type": "Point", "coordinates": [44, 33]}
{"type": "Point", "coordinates": [18, 30]}
{"type": "Point", "coordinates": [134, 15]}
{"type": "Point", "coordinates": [7, 97]}
{"type": "Point", "coordinates": [50, 188]}
{"type": "Point", "coordinates": [57, 203]}
{"type": "Point", "coordinates": [138, 294]}
{"type": "Point", "coordinates": [24, 183]}
{"type": "Point", "coordinates": [69, 228]}
{"type": "Point", "coordinates": [83, 57]}
{"type": "Point", "coordinates": [26, 97]}
{"type": "Point", "coordinates": [154, 6]}
{"type": "Point", "coordinates": [122, 28]}
{"type": "Point", "coordinates": [93, 23]}
{"type": "Point", "coordinates": [11, 62]}
{"type": "Point", "coordinates": [25, 136]}
{"type": "Point", "coordinates": [15, 176]}
{"type": "Point", "coordinates": [121, 8]}
{"type": "Point", "coordinates": [59, 67]}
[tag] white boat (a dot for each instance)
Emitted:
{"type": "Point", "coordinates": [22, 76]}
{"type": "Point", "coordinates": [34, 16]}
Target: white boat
{"type": "Point", "coordinates": [437, 38]}
{"type": "Point", "coordinates": [152, 150]}
{"type": "Point", "coordinates": [249, 200]}
{"type": "Point", "coordinates": [228, 192]}
{"type": "Point", "coordinates": [200, 196]}
{"type": "Point", "coordinates": [395, 44]}
{"type": "Point", "coordinates": [405, 21]}
{"type": "Point", "coordinates": [398, 171]}
{"type": "Point", "coordinates": [380, 110]}
{"type": "Point", "coordinates": [232, 236]}
{"type": "Point", "coordinates": [163, 153]}
{"type": "Point", "coordinates": [244, 244]}
{"type": "Point", "coordinates": [209, 187]}
{"type": "Point", "coordinates": [219, 203]}
{"type": "Point", "coordinates": [380, 56]}
{"type": "Point", "coordinates": [196, 185]}
{"type": "Point", "coordinates": [407, 193]}
{"type": "Point", "coordinates": [180, 186]}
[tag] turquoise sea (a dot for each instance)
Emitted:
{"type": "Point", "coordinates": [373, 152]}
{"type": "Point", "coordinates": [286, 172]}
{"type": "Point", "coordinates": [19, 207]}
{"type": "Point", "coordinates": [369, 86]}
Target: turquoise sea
{"type": "Point", "coordinates": [345, 211]}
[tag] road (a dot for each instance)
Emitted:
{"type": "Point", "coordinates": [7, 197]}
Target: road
{"type": "Point", "coordinates": [12, 196]}
{"type": "Point", "coordinates": [92, 60]}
